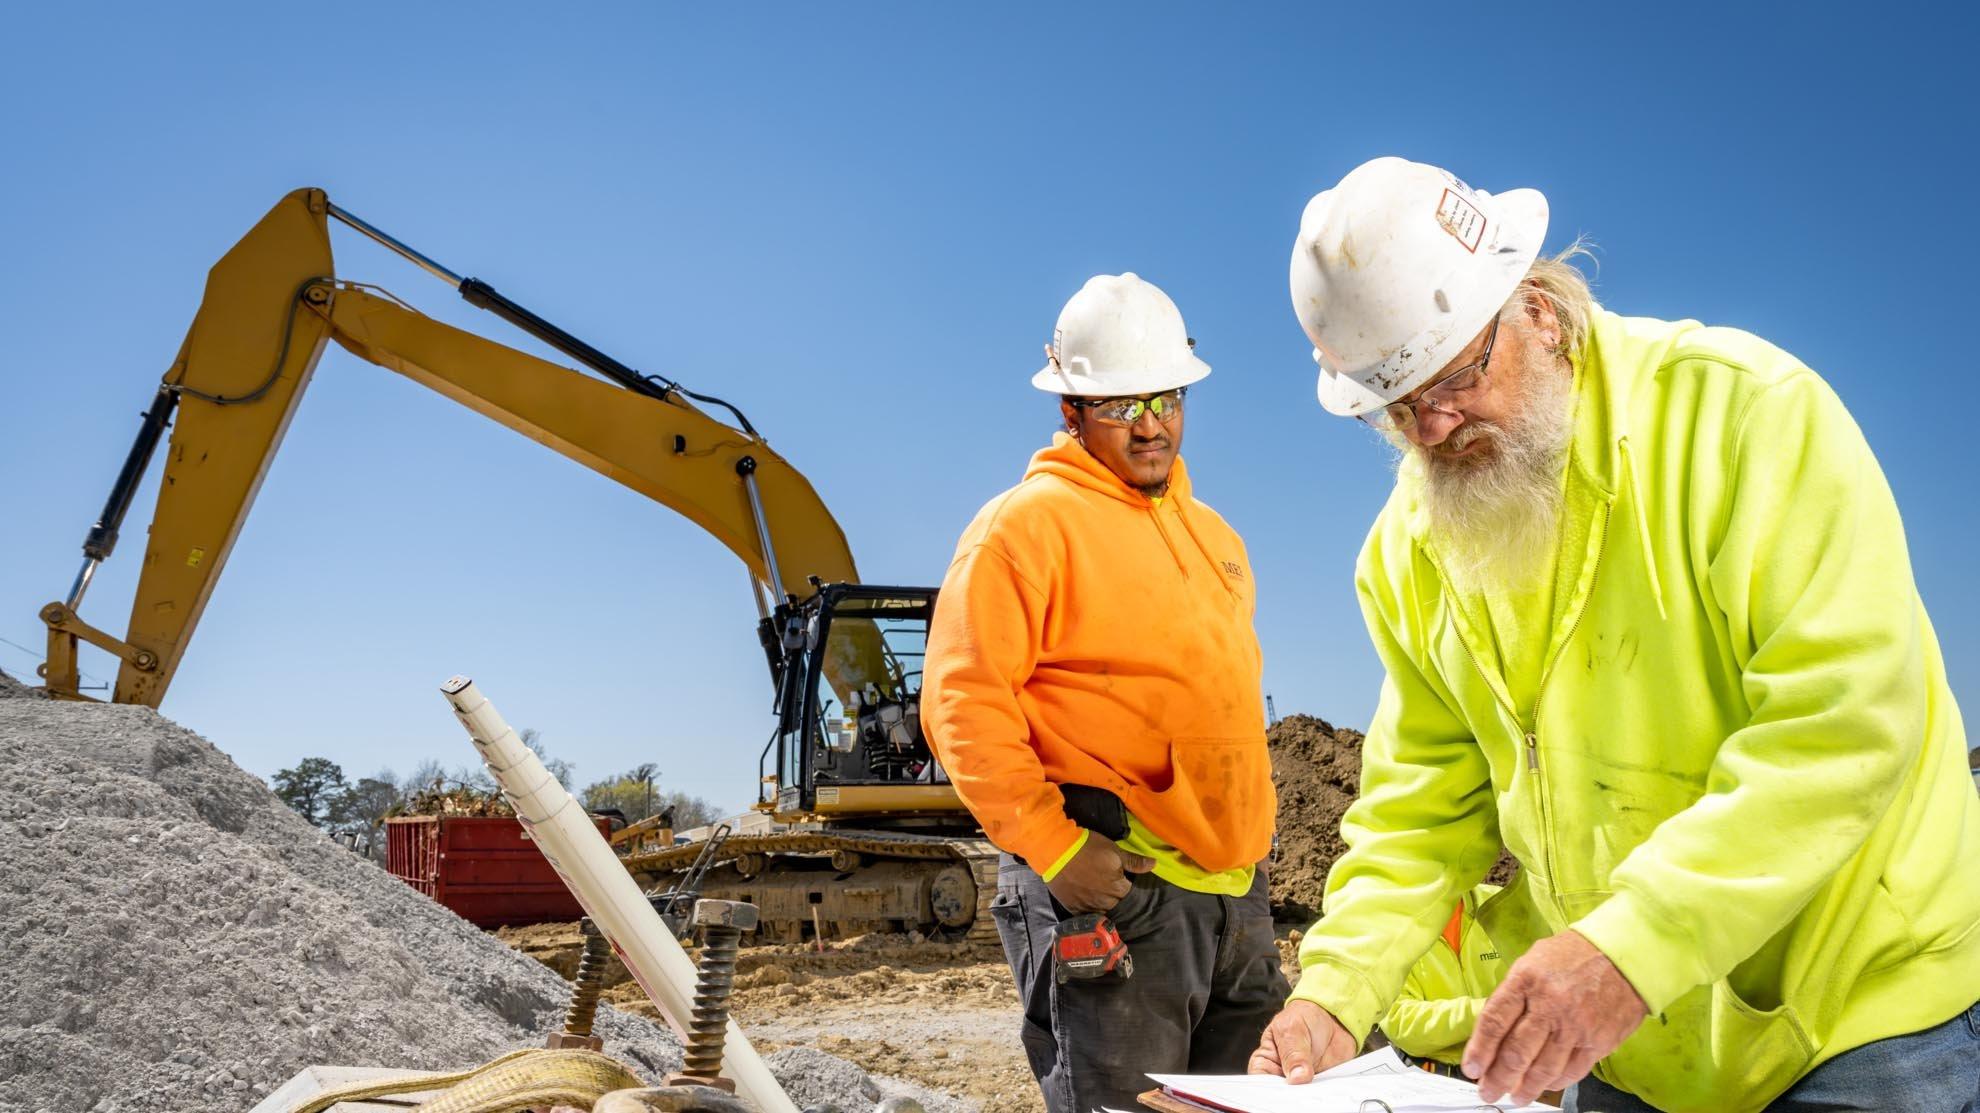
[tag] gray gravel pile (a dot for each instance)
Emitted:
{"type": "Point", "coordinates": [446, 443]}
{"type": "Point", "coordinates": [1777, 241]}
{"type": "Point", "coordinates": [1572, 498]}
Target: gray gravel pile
{"type": "Point", "coordinates": [174, 937]}
{"type": "Point", "coordinates": [818, 1078]}
{"type": "Point", "coordinates": [11, 689]}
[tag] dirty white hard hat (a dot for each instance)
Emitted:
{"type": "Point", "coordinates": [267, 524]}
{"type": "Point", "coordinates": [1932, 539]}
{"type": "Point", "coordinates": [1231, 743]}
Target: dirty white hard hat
{"type": "Point", "coordinates": [1120, 335]}
{"type": "Point", "coordinates": [1399, 267]}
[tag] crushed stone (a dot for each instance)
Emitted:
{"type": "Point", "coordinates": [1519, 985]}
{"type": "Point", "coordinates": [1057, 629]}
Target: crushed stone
{"type": "Point", "coordinates": [176, 937]}
{"type": "Point", "coordinates": [812, 1077]}
{"type": "Point", "coordinates": [826, 1078]}
{"type": "Point", "coordinates": [14, 689]}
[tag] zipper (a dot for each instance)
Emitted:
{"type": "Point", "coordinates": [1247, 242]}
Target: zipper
{"type": "Point", "coordinates": [1531, 736]}
{"type": "Point", "coordinates": [1540, 695]}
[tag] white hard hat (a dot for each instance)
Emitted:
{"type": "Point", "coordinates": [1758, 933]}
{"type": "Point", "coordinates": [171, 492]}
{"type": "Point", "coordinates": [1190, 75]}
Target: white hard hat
{"type": "Point", "coordinates": [1120, 335]}
{"type": "Point", "coordinates": [1399, 267]}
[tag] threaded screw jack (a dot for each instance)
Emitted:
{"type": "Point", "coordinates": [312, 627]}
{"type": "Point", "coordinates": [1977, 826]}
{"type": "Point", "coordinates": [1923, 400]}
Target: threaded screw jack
{"type": "Point", "coordinates": [585, 989]}
{"type": "Point", "coordinates": [722, 923]}
{"type": "Point", "coordinates": [590, 981]}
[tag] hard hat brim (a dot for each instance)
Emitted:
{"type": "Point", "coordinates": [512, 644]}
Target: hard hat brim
{"type": "Point", "coordinates": [1054, 378]}
{"type": "Point", "coordinates": [1522, 215]}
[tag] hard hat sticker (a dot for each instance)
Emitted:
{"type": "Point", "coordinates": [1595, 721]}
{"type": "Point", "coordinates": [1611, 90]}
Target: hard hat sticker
{"type": "Point", "coordinates": [1461, 219]}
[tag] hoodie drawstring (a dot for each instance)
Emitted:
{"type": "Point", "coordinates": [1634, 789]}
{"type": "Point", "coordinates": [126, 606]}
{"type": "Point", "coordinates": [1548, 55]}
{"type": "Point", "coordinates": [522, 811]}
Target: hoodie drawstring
{"type": "Point", "coordinates": [1183, 513]}
{"type": "Point", "coordinates": [1642, 529]}
{"type": "Point", "coordinates": [1155, 512]}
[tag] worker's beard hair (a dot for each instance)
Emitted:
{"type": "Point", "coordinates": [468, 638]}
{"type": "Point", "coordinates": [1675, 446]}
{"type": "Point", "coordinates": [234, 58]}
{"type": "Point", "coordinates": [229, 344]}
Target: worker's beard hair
{"type": "Point", "coordinates": [1493, 515]}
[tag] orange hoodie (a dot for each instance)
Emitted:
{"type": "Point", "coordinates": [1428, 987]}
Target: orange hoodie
{"type": "Point", "coordinates": [1087, 634]}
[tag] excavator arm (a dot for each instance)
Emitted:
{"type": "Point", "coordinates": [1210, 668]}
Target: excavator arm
{"type": "Point", "coordinates": [271, 305]}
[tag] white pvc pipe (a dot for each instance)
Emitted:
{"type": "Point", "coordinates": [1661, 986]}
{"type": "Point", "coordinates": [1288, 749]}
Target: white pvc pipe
{"type": "Point", "coordinates": [584, 859]}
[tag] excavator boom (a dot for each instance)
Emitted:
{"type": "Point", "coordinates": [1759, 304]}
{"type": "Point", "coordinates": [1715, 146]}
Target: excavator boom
{"type": "Point", "coordinates": [271, 305]}
{"type": "Point", "coordinates": [871, 835]}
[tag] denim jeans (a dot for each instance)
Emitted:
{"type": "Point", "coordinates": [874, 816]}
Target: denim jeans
{"type": "Point", "coordinates": [1933, 1071]}
{"type": "Point", "coordinates": [1206, 981]}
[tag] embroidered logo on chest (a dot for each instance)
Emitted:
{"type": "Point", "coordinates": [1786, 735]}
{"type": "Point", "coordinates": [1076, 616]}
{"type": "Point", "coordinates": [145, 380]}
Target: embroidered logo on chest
{"type": "Point", "coordinates": [1232, 569]}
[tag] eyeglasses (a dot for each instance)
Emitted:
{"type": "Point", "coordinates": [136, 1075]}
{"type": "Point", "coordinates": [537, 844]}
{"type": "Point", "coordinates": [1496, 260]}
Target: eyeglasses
{"type": "Point", "coordinates": [1446, 396]}
{"type": "Point", "coordinates": [1166, 406]}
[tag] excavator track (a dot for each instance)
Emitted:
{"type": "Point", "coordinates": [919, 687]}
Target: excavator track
{"type": "Point", "coordinates": [754, 856]}
{"type": "Point", "coordinates": [983, 866]}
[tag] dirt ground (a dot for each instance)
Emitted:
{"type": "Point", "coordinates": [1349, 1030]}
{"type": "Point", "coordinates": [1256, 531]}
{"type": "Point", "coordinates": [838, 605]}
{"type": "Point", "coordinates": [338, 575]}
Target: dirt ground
{"type": "Point", "coordinates": [946, 1015]}
{"type": "Point", "coordinates": [940, 1014]}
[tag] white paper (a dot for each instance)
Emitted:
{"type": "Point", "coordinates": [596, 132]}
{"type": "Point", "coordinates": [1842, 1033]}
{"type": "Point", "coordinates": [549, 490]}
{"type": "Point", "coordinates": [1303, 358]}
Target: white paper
{"type": "Point", "coordinates": [1379, 1075]}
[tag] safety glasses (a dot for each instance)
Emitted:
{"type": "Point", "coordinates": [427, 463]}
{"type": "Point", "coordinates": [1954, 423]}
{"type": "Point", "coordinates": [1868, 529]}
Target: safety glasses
{"type": "Point", "coordinates": [1166, 406]}
{"type": "Point", "coordinates": [1446, 396]}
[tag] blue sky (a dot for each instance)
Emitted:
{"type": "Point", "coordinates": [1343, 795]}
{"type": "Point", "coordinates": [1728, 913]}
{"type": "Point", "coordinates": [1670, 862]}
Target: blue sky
{"type": "Point", "coordinates": [858, 223]}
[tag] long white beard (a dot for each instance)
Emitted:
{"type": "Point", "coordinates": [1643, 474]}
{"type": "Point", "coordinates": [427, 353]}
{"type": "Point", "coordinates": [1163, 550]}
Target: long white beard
{"type": "Point", "coordinates": [1493, 515]}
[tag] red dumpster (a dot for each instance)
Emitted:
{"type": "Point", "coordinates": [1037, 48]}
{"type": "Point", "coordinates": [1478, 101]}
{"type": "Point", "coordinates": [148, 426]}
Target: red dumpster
{"type": "Point", "coordinates": [482, 868]}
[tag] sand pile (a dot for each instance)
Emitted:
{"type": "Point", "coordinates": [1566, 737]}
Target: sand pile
{"type": "Point", "coordinates": [176, 938]}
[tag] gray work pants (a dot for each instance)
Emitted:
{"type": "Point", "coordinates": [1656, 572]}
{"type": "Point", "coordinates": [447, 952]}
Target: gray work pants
{"type": "Point", "coordinates": [1206, 981]}
{"type": "Point", "coordinates": [1933, 1071]}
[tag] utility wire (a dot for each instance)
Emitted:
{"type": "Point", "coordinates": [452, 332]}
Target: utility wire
{"type": "Point", "coordinates": [37, 655]}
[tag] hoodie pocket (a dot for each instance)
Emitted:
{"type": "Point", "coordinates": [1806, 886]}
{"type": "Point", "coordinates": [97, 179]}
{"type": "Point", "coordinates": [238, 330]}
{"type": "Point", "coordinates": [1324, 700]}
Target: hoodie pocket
{"type": "Point", "coordinates": [1219, 806]}
{"type": "Point", "coordinates": [1712, 1050]}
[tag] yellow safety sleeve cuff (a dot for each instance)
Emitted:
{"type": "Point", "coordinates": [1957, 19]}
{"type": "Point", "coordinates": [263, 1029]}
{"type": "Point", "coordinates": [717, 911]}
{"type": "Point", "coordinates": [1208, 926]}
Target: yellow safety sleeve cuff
{"type": "Point", "coordinates": [1343, 992]}
{"type": "Point", "coordinates": [1052, 871]}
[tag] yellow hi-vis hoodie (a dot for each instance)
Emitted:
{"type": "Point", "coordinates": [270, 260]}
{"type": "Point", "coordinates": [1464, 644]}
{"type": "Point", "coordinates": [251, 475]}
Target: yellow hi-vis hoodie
{"type": "Point", "coordinates": [1086, 634]}
{"type": "Point", "coordinates": [1447, 988]}
{"type": "Point", "coordinates": [1743, 775]}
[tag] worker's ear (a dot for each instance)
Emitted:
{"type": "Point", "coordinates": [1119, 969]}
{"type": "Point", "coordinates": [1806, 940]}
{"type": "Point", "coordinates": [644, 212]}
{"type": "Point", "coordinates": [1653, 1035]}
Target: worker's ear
{"type": "Point", "coordinates": [1070, 414]}
{"type": "Point", "coordinates": [1540, 314]}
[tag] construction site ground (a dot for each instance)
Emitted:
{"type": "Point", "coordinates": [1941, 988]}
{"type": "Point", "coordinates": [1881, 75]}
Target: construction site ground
{"type": "Point", "coordinates": [185, 940]}
{"type": "Point", "coordinates": [944, 1015]}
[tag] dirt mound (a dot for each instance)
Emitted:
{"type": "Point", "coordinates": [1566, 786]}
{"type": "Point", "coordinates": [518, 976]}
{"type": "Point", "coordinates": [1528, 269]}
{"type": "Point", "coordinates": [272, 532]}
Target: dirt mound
{"type": "Point", "coordinates": [176, 938]}
{"type": "Point", "coordinates": [1316, 767]}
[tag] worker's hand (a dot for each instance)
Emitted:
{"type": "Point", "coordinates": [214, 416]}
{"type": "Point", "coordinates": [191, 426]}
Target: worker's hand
{"type": "Point", "coordinates": [1303, 1040]}
{"type": "Point", "coordinates": [1562, 1006]}
{"type": "Point", "coordinates": [1096, 878]}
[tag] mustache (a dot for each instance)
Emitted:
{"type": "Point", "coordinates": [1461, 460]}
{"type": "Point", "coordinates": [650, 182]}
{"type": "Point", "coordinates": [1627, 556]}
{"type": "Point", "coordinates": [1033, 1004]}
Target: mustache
{"type": "Point", "coordinates": [1466, 435]}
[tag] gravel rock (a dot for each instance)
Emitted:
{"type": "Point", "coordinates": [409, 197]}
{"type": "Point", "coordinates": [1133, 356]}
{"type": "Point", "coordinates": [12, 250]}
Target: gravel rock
{"type": "Point", "coordinates": [826, 1078]}
{"type": "Point", "coordinates": [175, 937]}
{"type": "Point", "coordinates": [812, 1077]}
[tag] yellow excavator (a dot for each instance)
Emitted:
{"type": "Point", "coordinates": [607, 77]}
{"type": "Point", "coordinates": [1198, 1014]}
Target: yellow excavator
{"type": "Point", "coordinates": [856, 826]}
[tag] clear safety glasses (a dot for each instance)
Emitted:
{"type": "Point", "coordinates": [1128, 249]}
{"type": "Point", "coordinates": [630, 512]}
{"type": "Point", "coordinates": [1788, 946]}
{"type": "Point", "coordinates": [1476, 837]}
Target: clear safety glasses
{"type": "Point", "coordinates": [1447, 395]}
{"type": "Point", "coordinates": [1166, 406]}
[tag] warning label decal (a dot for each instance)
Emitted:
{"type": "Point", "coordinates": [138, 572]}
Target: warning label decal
{"type": "Point", "coordinates": [1461, 219]}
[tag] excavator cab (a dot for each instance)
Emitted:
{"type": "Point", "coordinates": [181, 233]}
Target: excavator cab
{"type": "Point", "coordinates": [846, 661]}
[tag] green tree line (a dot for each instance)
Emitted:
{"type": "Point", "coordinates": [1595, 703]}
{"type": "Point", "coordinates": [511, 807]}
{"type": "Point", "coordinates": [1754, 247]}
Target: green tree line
{"type": "Point", "coordinates": [354, 812]}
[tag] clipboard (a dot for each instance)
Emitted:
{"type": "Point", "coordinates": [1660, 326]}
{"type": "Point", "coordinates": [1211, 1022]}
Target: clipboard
{"type": "Point", "coordinates": [1164, 1102]}
{"type": "Point", "coordinates": [1378, 1082]}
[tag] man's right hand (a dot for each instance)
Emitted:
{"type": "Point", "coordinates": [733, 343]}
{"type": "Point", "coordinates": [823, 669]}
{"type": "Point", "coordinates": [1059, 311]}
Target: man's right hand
{"type": "Point", "coordinates": [1096, 878]}
{"type": "Point", "coordinates": [1303, 1040]}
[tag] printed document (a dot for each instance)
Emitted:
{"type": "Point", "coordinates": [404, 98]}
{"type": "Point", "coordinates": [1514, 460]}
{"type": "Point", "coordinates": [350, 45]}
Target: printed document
{"type": "Point", "coordinates": [1379, 1076]}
